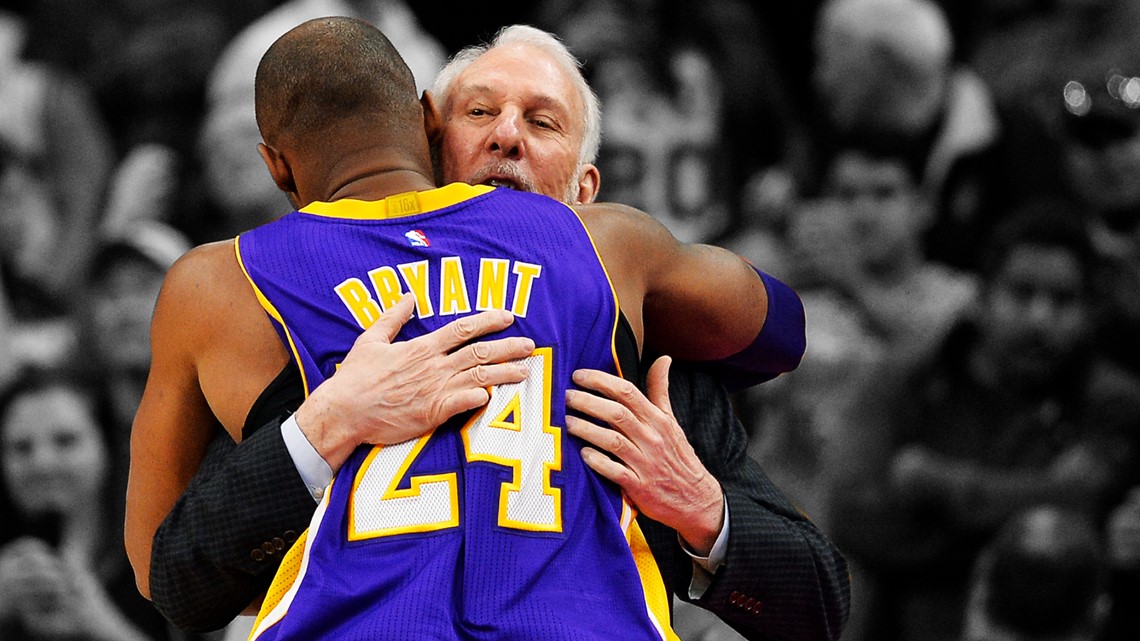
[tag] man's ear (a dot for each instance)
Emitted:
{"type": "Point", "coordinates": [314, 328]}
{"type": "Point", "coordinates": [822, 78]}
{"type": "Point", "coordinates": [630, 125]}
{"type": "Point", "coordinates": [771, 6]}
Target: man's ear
{"type": "Point", "coordinates": [589, 182]}
{"type": "Point", "coordinates": [279, 168]}
{"type": "Point", "coordinates": [433, 119]}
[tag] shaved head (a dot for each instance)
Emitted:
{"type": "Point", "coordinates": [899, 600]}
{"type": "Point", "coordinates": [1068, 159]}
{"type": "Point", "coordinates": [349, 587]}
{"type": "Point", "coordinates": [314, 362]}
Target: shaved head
{"type": "Point", "coordinates": [329, 72]}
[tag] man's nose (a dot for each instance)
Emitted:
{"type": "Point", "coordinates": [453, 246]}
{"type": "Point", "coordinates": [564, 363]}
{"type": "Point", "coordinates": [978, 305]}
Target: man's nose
{"type": "Point", "coordinates": [506, 136]}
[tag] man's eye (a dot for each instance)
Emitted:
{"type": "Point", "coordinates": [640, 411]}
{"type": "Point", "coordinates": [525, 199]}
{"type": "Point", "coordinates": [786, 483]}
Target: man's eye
{"type": "Point", "coordinates": [476, 112]}
{"type": "Point", "coordinates": [544, 124]}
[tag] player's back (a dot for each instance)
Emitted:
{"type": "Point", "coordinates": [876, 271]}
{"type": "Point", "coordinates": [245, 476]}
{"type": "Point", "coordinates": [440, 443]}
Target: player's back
{"type": "Point", "coordinates": [491, 527]}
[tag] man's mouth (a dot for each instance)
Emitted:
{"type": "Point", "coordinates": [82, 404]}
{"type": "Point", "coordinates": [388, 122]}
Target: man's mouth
{"type": "Point", "coordinates": [503, 182]}
{"type": "Point", "coordinates": [503, 174]}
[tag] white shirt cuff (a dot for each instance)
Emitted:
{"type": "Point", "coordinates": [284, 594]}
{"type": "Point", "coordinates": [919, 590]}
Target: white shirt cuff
{"type": "Point", "coordinates": [705, 567]}
{"type": "Point", "coordinates": [314, 471]}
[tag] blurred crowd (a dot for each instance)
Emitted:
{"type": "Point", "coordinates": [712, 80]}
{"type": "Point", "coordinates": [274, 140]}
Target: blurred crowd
{"type": "Point", "coordinates": [952, 186]}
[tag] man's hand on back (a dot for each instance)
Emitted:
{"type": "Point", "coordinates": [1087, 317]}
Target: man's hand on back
{"type": "Point", "coordinates": [655, 465]}
{"type": "Point", "coordinates": [387, 392]}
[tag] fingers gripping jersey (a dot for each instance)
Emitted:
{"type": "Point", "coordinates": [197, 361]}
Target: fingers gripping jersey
{"type": "Point", "coordinates": [491, 527]}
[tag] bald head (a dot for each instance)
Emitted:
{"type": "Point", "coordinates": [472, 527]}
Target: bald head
{"type": "Point", "coordinates": [330, 72]}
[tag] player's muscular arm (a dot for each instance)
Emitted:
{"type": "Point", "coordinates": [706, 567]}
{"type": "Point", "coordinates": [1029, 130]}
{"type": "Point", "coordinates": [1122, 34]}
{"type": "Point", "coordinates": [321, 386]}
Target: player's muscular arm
{"type": "Point", "coordinates": [202, 324]}
{"type": "Point", "coordinates": [235, 329]}
{"type": "Point", "coordinates": [698, 302]}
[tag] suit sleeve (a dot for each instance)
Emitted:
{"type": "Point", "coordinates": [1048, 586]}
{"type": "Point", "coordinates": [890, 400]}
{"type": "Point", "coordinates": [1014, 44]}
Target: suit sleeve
{"type": "Point", "coordinates": [783, 579]}
{"type": "Point", "coordinates": [221, 544]}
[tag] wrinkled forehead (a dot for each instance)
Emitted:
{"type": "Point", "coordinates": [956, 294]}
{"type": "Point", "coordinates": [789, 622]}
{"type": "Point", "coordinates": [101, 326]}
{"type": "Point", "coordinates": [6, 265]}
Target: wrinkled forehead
{"type": "Point", "coordinates": [520, 72]}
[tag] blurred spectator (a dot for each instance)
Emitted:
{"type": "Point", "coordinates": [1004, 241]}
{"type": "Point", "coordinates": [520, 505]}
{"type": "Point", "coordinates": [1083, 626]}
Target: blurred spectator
{"type": "Point", "coordinates": [856, 258]}
{"type": "Point", "coordinates": [235, 175]}
{"type": "Point", "coordinates": [56, 159]}
{"type": "Point", "coordinates": [863, 242]}
{"type": "Point", "coordinates": [126, 275]}
{"type": "Point", "coordinates": [692, 104]}
{"type": "Point", "coordinates": [145, 186]}
{"type": "Point", "coordinates": [63, 572]}
{"type": "Point", "coordinates": [1100, 134]}
{"type": "Point", "coordinates": [151, 77]}
{"type": "Point", "coordinates": [146, 63]}
{"type": "Point", "coordinates": [1043, 578]}
{"type": "Point", "coordinates": [1012, 411]}
{"type": "Point", "coordinates": [1124, 560]}
{"type": "Point", "coordinates": [886, 81]}
{"type": "Point", "coordinates": [101, 40]}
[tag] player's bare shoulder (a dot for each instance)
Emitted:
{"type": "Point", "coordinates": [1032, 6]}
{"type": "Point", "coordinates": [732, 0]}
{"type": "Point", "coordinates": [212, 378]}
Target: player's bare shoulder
{"type": "Point", "coordinates": [204, 289]}
{"type": "Point", "coordinates": [208, 318]}
{"type": "Point", "coordinates": [624, 233]}
{"type": "Point", "coordinates": [197, 273]}
{"type": "Point", "coordinates": [605, 219]}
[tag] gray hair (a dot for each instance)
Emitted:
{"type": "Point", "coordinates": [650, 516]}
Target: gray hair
{"type": "Point", "coordinates": [548, 42]}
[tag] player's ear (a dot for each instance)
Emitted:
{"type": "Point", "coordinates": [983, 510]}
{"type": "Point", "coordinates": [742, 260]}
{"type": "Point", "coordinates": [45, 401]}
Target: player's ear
{"type": "Point", "coordinates": [433, 119]}
{"type": "Point", "coordinates": [589, 182]}
{"type": "Point", "coordinates": [278, 167]}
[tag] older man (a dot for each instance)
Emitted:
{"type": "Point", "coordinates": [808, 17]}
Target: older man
{"type": "Point", "coordinates": [519, 114]}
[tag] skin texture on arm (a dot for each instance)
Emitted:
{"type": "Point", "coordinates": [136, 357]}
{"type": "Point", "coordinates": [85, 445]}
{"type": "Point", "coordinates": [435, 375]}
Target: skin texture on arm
{"type": "Point", "coordinates": [204, 316]}
{"type": "Point", "coordinates": [696, 302]}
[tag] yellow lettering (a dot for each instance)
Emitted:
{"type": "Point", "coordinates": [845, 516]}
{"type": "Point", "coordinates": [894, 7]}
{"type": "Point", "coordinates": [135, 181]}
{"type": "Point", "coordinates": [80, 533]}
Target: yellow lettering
{"type": "Point", "coordinates": [452, 288]}
{"type": "Point", "coordinates": [387, 286]}
{"type": "Point", "coordinates": [526, 272]}
{"type": "Point", "coordinates": [416, 277]}
{"type": "Point", "coordinates": [354, 294]}
{"type": "Point", "coordinates": [492, 284]}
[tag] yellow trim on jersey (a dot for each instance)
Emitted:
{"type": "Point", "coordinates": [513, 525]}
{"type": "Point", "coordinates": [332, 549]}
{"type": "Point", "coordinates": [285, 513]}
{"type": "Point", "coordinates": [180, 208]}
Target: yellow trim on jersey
{"type": "Point", "coordinates": [613, 291]}
{"type": "Point", "coordinates": [656, 597]}
{"type": "Point", "coordinates": [291, 573]}
{"type": "Point", "coordinates": [398, 205]}
{"type": "Point", "coordinates": [657, 600]}
{"type": "Point", "coordinates": [272, 311]}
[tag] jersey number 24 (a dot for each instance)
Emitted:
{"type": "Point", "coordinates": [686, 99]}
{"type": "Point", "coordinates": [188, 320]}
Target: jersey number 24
{"type": "Point", "coordinates": [513, 430]}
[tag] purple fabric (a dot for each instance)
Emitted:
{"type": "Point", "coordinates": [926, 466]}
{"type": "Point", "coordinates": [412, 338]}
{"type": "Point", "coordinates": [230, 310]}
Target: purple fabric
{"type": "Point", "coordinates": [778, 347]}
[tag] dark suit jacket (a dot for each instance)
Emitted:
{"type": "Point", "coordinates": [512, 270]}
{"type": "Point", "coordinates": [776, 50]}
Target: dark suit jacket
{"type": "Point", "coordinates": [783, 579]}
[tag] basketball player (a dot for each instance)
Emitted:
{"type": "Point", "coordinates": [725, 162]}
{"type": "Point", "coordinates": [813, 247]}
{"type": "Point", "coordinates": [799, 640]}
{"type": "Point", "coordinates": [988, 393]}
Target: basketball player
{"type": "Point", "coordinates": [342, 163]}
{"type": "Point", "coordinates": [775, 571]}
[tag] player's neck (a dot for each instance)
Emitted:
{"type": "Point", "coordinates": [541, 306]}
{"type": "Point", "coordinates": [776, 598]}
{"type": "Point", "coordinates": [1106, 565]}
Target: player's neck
{"type": "Point", "coordinates": [362, 170]}
{"type": "Point", "coordinates": [380, 185]}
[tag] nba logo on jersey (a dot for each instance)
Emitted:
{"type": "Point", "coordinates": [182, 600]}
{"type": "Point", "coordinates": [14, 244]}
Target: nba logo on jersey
{"type": "Point", "coordinates": [416, 238]}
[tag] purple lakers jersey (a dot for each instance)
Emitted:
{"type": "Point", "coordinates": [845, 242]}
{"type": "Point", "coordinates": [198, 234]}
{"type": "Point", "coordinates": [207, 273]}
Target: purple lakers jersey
{"type": "Point", "coordinates": [491, 527]}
